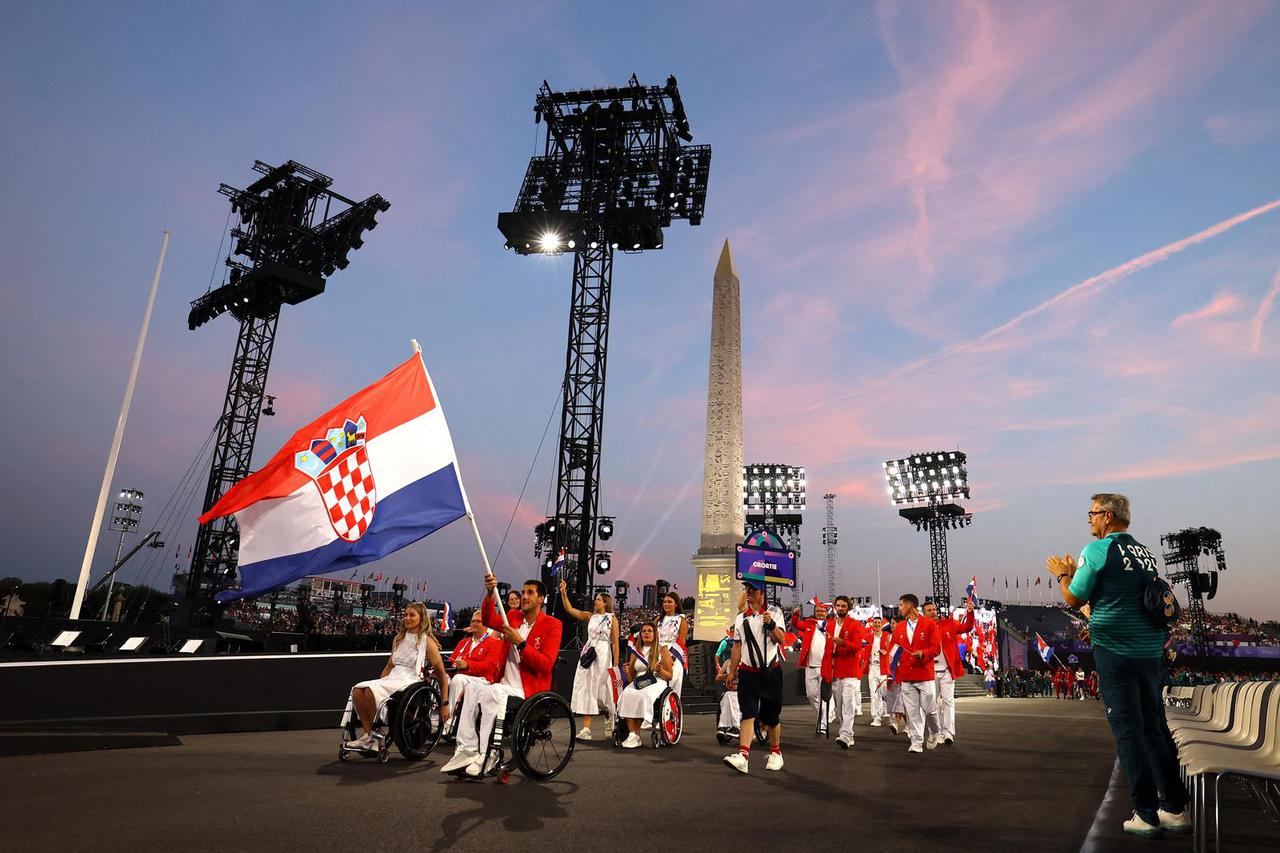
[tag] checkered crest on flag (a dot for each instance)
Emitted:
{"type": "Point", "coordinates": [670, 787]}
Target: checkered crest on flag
{"type": "Point", "coordinates": [339, 466]}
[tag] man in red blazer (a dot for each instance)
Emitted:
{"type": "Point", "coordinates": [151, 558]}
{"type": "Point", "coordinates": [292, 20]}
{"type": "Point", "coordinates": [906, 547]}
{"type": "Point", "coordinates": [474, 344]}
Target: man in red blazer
{"type": "Point", "coordinates": [917, 638]}
{"type": "Point", "coordinates": [948, 666]}
{"type": "Point", "coordinates": [844, 665]}
{"type": "Point", "coordinates": [530, 643]}
{"type": "Point", "coordinates": [813, 650]}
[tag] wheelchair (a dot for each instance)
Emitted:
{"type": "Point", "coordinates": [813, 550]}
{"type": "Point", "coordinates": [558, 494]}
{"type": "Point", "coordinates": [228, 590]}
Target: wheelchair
{"type": "Point", "coordinates": [667, 722]}
{"type": "Point", "coordinates": [409, 718]}
{"type": "Point", "coordinates": [536, 736]}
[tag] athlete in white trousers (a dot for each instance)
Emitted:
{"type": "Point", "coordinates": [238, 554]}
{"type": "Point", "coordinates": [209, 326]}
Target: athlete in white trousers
{"type": "Point", "coordinates": [876, 682]}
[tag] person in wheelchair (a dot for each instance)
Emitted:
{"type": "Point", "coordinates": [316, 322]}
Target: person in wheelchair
{"type": "Point", "coordinates": [476, 660]}
{"type": "Point", "coordinates": [649, 669]}
{"type": "Point", "coordinates": [414, 646]}
{"type": "Point", "coordinates": [730, 716]}
{"type": "Point", "coordinates": [673, 634]}
{"type": "Point", "coordinates": [530, 646]}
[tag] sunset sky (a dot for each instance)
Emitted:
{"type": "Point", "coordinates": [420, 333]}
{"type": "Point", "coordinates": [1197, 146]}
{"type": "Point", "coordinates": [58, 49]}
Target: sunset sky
{"type": "Point", "coordinates": [1046, 234]}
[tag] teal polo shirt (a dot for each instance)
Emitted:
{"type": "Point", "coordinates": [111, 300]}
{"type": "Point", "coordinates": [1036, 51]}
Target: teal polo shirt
{"type": "Point", "coordinates": [1107, 576]}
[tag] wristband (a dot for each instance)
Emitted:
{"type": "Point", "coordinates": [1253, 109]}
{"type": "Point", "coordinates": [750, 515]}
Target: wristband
{"type": "Point", "coordinates": [1063, 575]}
{"type": "Point", "coordinates": [520, 645]}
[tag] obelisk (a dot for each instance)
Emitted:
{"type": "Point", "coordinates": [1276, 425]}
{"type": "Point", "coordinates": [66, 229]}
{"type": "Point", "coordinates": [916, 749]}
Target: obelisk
{"type": "Point", "coordinates": [723, 514]}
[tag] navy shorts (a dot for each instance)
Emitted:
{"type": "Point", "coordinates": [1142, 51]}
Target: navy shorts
{"type": "Point", "coordinates": [760, 695]}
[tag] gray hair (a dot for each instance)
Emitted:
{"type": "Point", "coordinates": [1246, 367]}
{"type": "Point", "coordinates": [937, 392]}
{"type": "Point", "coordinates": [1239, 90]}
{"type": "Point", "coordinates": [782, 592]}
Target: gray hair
{"type": "Point", "coordinates": [1117, 505]}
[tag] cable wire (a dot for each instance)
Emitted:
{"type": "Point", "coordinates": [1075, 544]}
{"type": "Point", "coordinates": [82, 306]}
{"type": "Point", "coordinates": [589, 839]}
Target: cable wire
{"type": "Point", "coordinates": [536, 454]}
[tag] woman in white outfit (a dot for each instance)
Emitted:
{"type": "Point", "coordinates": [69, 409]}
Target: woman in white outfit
{"type": "Point", "coordinates": [592, 691]}
{"type": "Point", "coordinates": [648, 673]}
{"type": "Point", "coordinates": [673, 634]}
{"type": "Point", "coordinates": [413, 646]}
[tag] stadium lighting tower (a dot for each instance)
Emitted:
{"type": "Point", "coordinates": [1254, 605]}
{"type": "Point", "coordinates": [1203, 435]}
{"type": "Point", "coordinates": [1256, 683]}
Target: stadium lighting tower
{"type": "Point", "coordinates": [292, 233]}
{"type": "Point", "coordinates": [774, 498]}
{"type": "Point", "coordinates": [1182, 558]}
{"type": "Point", "coordinates": [615, 170]}
{"type": "Point", "coordinates": [924, 485]}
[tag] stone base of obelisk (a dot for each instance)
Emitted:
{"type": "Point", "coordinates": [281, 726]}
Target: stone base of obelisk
{"type": "Point", "coordinates": [716, 602]}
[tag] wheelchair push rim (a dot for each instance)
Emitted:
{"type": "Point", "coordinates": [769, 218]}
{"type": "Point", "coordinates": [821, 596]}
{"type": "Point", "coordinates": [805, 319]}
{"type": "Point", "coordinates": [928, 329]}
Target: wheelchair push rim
{"type": "Point", "coordinates": [416, 727]}
{"type": "Point", "coordinates": [671, 719]}
{"type": "Point", "coordinates": [544, 735]}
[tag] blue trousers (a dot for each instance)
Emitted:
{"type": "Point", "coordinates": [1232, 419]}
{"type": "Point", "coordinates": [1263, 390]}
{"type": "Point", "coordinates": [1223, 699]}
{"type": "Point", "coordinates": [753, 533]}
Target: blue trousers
{"type": "Point", "coordinates": [1130, 689]}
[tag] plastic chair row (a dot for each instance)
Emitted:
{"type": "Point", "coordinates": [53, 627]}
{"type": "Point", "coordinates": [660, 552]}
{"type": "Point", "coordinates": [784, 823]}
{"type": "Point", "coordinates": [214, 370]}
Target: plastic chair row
{"type": "Point", "coordinates": [1231, 729]}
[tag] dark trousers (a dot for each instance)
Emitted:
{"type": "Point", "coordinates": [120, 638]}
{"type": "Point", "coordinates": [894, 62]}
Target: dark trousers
{"type": "Point", "coordinates": [1131, 691]}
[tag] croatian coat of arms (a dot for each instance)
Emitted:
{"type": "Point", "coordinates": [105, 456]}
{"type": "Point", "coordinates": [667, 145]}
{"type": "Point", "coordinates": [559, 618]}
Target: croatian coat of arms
{"type": "Point", "coordinates": [339, 466]}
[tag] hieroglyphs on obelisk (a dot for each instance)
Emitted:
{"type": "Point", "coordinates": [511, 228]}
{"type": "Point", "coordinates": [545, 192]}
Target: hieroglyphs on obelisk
{"type": "Point", "coordinates": [723, 514]}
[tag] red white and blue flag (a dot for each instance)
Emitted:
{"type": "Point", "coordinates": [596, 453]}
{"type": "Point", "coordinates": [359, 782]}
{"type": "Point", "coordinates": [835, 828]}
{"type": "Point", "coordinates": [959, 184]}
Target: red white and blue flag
{"type": "Point", "coordinates": [893, 661]}
{"type": "Point", "coordinates": [557, 568]}
{"type": "Point", "coordinates": [370, 476]}
{"type": "Point", "coordinates": [970, 591]}
{"type": "Point", "coordinates": [1045, 650]}
{"type": "Point", "coordinates": [446, 618]}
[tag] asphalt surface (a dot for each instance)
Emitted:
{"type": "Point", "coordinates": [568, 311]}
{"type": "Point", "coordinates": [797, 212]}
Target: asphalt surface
{"type": "Point", "coordinates": [1026, 774]}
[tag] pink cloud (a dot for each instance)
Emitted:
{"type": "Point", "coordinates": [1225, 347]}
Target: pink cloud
{"type": "Point", "coordinates": [1223, 304]}
{"type": "Point", "coordinates": [1263, 312]}
{"type": "Point", "coordinates": [1246, 127]}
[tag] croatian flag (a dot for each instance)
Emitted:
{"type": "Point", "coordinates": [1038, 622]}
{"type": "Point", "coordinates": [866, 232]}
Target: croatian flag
{"type": "Point", "coordinates": [970, 591]}
{"type": "Point", "coordinates": [558, 566]}
{"type": "Point", "coordinates": [1045, 650]}
{"type": "Point", "coordinates": [893, 661]}
{"type": "Point", "coordinates": [372, 475]}
{"type": "Point", "coordinates": [446, 618]}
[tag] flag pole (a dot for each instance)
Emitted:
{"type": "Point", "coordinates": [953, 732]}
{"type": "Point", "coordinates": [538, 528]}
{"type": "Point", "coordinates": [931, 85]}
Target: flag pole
{"type": "Point", "coordinates": [114, 454]}
{"type": "Point", "coordinates": [466, 503]}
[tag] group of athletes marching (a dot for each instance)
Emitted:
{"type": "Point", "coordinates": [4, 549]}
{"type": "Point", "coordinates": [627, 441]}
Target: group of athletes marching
{"type": "Point", "coordinates": [910, 665]}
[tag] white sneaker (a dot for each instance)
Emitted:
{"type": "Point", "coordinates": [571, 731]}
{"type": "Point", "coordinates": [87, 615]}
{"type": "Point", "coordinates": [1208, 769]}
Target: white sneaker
{"type": "Point", "coordinates": [585, 734]}
{"type": "Point", "coordinates": [480, 766]}
{"type": "Point", "coordinates": [844, 744]}
{"type": "Point", "coordinates": [774, 761]}
{"type": "Point", "coordinates": [632, 741]}
{"type": "Point", "coordinates": [876, 722]}
{"type": "Point", "coordinates": [1179, 822]}
{"type": "Point", "coordinates": [931, 742]}
{"type": "Point", "coordinates": [915, 747]}
{"type": "Point", "coordinates": [460, 760]}
{"type": "Point", "coordinates": [646, 724]}
{"type": "Point", "coordinates": [948, 739]}
{"type": "Point", "coordinates": [737, 761]}
{"type": "Point", "coordinates": [1138, 826]}
{"type": "Point", "coordinates": [362, 742]}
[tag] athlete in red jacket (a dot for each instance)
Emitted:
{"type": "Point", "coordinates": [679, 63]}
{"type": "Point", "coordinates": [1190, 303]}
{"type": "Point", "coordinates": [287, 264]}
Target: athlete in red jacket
{"type": "Point", "coordinates": [844, 665]}
{"type": "Point", "coordinates": [948, 666]}
{"type": "Point", "coordinates": [917, 637]}
{"type": "Point", "coordinates": [529, 647]}
{"type": "Point", "coordinates": [813, 650]}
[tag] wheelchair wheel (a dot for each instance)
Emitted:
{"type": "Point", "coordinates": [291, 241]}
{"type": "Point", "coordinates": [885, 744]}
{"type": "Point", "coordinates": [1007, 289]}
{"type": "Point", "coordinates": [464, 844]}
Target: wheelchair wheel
{"type": "Point", "coordinates": [415, 725]}
{"type": "Point", "coordinates": [543, 736]}
{"type": "Point", "coordinates": [762, 734]}
{"type": "Point", "coordinates": [669, 714]}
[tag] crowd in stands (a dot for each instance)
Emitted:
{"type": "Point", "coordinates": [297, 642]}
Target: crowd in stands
{"type": "Point", "coordinates": [1230, 624]}
{"type": "Point", "coordinates": [249, 616]}
{"type": "Point", "coordinates": [1187, 677]}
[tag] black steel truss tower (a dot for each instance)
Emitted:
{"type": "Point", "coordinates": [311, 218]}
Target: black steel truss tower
{"type": "Point", "coordinates": [1182, 558]}
{"type": "Point", "coordinates": [292, 232]}
{"type": "Point", "coordinates": [928, 480]}
{"type": "Point", "coordinates": [613, 173]}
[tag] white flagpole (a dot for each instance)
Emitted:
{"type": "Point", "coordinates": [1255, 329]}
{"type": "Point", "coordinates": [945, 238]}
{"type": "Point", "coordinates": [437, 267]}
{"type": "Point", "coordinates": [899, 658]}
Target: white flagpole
{"type": "Point", "coordinates": [484, 556]}
{"type": "Point", "coordinates": [114, 454]}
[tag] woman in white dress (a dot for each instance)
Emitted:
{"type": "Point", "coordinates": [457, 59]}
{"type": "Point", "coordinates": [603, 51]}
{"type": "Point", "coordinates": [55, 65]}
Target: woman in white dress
{"type": "Point", "coordinates": [673, 634]}
{"type": "Point", "coordinates": [592, 691]}
{"type": "Point", "coordinates": [413, 646]}
{"type": "Point", "coordinates": [648, 673]}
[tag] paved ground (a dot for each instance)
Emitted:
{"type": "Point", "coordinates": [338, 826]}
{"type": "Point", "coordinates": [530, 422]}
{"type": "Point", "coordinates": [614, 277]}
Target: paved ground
{"type": "Point", "coordinates": [1024, 775]}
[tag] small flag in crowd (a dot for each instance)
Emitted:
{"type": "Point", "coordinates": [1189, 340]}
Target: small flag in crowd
{"type": "Point", "coordinates": [446, 619]}
{"type": "Point", "coordinates": [1038, 581]}
{"type": "Point", "coordinates": [893, 662]}
{"type": "Point", "coordinates": [970, 591]}
{"type": "Point", "coordinates": [1045, 650]}
{"type": "Point", "coordinates": [558, 566]}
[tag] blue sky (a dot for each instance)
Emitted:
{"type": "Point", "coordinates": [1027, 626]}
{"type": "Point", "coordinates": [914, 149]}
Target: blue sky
{"type": "Point", "coordinates": [912, 191]}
